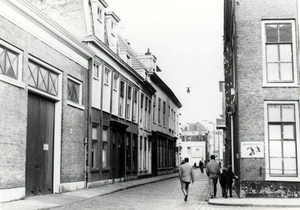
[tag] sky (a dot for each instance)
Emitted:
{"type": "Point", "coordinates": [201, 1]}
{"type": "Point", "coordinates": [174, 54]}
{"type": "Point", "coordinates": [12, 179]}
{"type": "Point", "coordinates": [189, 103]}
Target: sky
{"type": "Point", "coordinates": [186, 37]}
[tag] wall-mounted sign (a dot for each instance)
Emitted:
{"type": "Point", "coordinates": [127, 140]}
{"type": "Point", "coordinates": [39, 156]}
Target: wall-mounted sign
{"type": "Point", "coordinates": [197, 152]}
{"type": "Point", "coordinates": [46, 147]}
{"type": "Point", "coordinates": [252, 149]}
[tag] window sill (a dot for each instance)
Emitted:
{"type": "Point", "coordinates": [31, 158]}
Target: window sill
{"type": "Point", "coordinates": [283, 179]}
{"type": "Point", "coordinates": [95, 170]}
{"type": "Point", "coordinates": [266, 85]}
{"type": "Point", "coordinates": [79, 106]}
{"type": "Point", "coordinates": [11, 81]}
{"type": "Point", "coordinates": [105, 170]}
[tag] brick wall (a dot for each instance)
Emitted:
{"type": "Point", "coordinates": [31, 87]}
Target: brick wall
{"type": "Point", "coordinates": [251, 94]}
{"type": "Point", "coordinates": [13, 115]}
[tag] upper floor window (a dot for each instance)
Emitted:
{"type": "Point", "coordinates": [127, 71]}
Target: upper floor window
{"type": "Point", "coordinates": [106, 76]}
{"type": "Point", "coordinates": [10, 62]}
{"type": "Point", "coordinates": [96, 72]}
{"type": "Point", "coordinates": [74, 91]}
{"type": "Point", "coordinates": [115, 83]}
{"type": "Point", "coordinates": [42, 78]}
{"type": "Point", "coordinates": [99, 14]}
{"type": "Point", "coordinates": [128, 60]}
{"type": "Point", "coordinates": [158, 114]}
{"type": "Point", "coordinates": [112, 28]}
{"type": "Point", "coordinates": [279, 53]}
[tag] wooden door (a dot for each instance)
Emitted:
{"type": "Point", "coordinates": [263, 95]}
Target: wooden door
{"type": "Point", "coordinates": [39, 150]}
{"type": "Point", "coordinates": [118, 154]}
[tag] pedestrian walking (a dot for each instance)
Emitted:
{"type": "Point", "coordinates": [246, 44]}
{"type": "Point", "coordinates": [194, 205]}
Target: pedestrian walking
{"type": "Point", "coordinates": [186, 176]}
{"type": "Point", "coordinates": [230, 178]}
{"type": "Point", "coordinates": [213, 172]}
{"type": "Point", "coordinates": [224, 180]}
{"type": "Point", "coordinates": [201, 165]}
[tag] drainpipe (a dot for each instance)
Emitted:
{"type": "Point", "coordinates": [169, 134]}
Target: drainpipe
{"type": "Point", "coordinates": [89, 105]}
{"type": "Point", "coordinates": [232, 142]}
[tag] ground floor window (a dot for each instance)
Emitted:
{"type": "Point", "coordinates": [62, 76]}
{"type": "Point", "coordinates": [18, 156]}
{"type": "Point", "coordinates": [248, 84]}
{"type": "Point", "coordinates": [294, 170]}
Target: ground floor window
{"type": "Point", "coordinates": [95, 151]}
{"type": "Point", "coordinates": [281, 138]}
{"type": "Point", "coordinates": [104, 148]}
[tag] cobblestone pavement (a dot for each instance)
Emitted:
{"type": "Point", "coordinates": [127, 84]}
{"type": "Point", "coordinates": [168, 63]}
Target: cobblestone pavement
{"type": "Point", "coordinates": [164, 195]}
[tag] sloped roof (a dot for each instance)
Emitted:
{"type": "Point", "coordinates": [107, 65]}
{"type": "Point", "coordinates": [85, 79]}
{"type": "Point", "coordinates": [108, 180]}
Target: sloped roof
{"type": "Point", "coordinates": [124, 47]}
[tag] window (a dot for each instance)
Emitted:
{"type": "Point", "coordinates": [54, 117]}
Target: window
{"type": "Point", "coordinates": [112, 28]}
{"type": "Point", "coordinates": [94, 152]}
{"type": "Point", "coordinates": [74, 91]}
{"type": "Point", "coordinates": [159, 102]}
{"type": "Point", "coordinates": [128, 105]}
{"type": "Point", "coordinates": [164, 113]}
{"type": "Point", "coordinates": [281, 138]}
{"type": "Point", "coordinates": [115, 84]}
{"type": "Point", "coordinates": [121, 103]}
{"type": "Point", "coordinates": [134, 112]}
{"type": "Point", "coordinates": [145, 153]}
{"type": "Point", "coordinates": [10, 62]}
{"type": "Point", "coordinates": [104, 148]}
{"type": "Point", "coordinates": [279, 53]}
{"type": "Point", "coordinates": [128, 60]}
{"type": "Point", "coordinates": [96, 72]}
{"type": "Point", "coordinates": [43, 79]}
{"type": "Point", "coordinates": [99, 14]}
{"type": "Point", "coordinates": [106, 77]}
{"type": "Point", "coordinates": [154, 106]}
{"type": "Point", "coordinates": [96, 86]}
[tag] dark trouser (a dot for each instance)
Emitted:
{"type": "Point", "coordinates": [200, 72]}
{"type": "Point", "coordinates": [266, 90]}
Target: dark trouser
{"type": "Point", "coordinates": [185, 187]}
{"type": "Point", "coordinates": [229, 187]}
{"type": "Point", "coordinates": [213, 180]}
{"type": "Point", "coordinates": [224, 191]}
{"type": "Point", "coordinates": [201, 169]}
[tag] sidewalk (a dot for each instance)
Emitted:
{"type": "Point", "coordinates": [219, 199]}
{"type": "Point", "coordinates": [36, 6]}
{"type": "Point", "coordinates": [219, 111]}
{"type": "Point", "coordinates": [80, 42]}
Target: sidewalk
{"type": "Point", "coordinates": [55, 200]}
{"type": "Point", "coordinates": [266, 202]}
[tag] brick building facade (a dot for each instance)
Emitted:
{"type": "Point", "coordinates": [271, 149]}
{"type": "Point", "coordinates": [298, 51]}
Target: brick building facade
{"type": "Point", "coordinates": [261, 57]}
{"type": "Point", "coordinates": [78, 102]}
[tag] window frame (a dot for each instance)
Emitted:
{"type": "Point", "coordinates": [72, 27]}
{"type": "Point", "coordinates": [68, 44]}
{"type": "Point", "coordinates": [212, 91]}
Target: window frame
{"type": "Point", "coordinates": [99, 14]}
{"type": "Point", "coordinates": [294, 83]}
{"type": "Point", "coordinates": [266, 142]}
{"type": "Point", "coordinates": [74, 104]}
{"type": "Point", "coordinates": [18, 81]}
{"type": "Point", "coordinates": [104, 165]}
{"type": "Point", "coordinates": [95, 155]}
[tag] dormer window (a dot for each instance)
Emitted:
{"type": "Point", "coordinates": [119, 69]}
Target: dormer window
{"type": "Point", "coordinates": [99, 14]}
{"type": "Point", "coordinates": [128, 60]}
{"type": "Point", "coordinates": [112, 28]}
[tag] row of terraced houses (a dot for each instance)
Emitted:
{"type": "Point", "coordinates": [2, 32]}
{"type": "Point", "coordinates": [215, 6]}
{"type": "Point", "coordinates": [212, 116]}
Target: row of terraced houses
{"type": "Point", "coordinates": [79, 108]}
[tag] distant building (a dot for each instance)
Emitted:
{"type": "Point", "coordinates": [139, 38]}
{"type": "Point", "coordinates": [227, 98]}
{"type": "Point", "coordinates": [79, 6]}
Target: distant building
{"type": "Point", "coordinates": [193, 143]}
{"type": "Point", "coordinates": [261, 58]}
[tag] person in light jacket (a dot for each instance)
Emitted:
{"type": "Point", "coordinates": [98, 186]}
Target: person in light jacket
{"type": "Point", "coordinates": [213, 172]}
{"type": "Point", "coordinates": [186, 176]}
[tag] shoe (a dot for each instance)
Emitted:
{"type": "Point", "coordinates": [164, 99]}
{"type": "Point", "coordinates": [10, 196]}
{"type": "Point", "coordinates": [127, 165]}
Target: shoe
{"type": "Point", "coordinates": [211, 197]}
{"type": "Point", "coordinates": [230, 196]}
{"type": "Point", "coordinates": [225, 196]}
{"type": "Point", "coordinates": [185, 197]}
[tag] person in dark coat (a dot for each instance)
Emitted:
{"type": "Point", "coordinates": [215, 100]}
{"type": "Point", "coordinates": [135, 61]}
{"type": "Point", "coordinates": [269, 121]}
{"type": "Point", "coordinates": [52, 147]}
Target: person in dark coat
{"type": "Point", "coordinates": [231, 177]}
{"type": "Point", "coordinates": [224, 180]}
{"type": "Point", "coordinates": [201, 165]}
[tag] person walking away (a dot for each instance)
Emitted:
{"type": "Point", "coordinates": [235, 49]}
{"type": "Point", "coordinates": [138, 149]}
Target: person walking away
{"type": "Point", "coordinates": [224, 179]}
{"type": "Point", "coordinates": [186, 176]}
{"type": "Point", "coordinates": [201, 165]}
{"type": "Point", "coordinates": [213, 172]}
{"type": "Point", "coordinates": [230, 177]}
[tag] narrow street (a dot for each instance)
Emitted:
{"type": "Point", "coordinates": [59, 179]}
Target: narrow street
{"type": "Point", "coordinates": [160, 195]}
